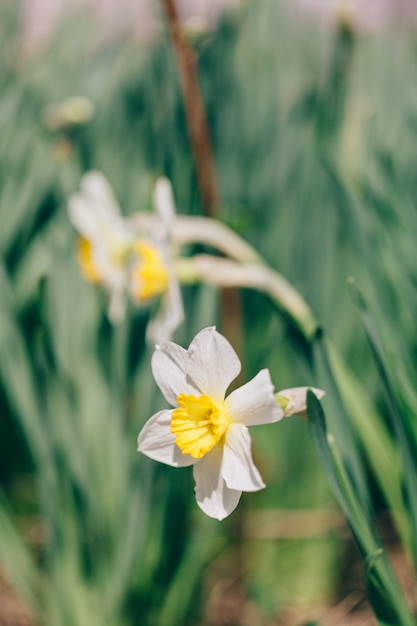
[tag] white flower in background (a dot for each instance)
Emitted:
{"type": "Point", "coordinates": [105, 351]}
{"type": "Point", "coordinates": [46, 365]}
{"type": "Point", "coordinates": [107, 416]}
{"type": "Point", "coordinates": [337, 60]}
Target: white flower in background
{"type": "Point", "coordinates": [207, 429]}
{"type": "Point", "coordinates": [365, 16]}
{"type": "Point", "coordinates": [124, 259]}
{"type": "Point", "coordinates": [294, 401]}
{"type": "Point", "coordinates": [40, 19]}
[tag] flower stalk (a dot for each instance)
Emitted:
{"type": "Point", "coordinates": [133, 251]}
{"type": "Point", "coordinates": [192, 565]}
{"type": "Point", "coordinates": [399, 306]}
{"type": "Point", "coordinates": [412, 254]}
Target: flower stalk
{"type": "Point", "coordinates": [195, 111]}
{"type": "Point", "coordinates": [224, 272]}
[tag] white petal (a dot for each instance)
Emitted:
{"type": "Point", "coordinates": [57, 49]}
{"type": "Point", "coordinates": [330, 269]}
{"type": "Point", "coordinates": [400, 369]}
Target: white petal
{"type": "Point", "coordinates": [112, 274]}
{"type": "Point", "coordinates": [212, 363]}
{"type": "Point", "coordinates": [83, 218]}
{"type": "Point", "coordinates": [297, 399]}
{"type": "Point", "coordinates": [164, 201]}
{"type": "Point", "coordinates": [96, 188]}
{"type": "Point", "coordinates": [114, 279]}
{"type": "Point", "coordinates": [169, 363]}
{"type": "Point", "coordinates": [238, 468]}
{"type": "Point", "coordinates": [169, 316]}
{"type": "Point", "coordinates": [145, 223]}
{"type": "Point", "coordinates": [254, 403]}
{"type": "Point", "coordinates": [157, 441]}
{"type": "Point", "coordinates": [95, 212]}
{"type": "Point", "coordinates": [117, 305]}
{"type": "Point", "coordinates": [212, 494]}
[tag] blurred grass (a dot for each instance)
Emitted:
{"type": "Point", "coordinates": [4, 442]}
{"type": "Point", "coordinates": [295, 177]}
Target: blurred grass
{"type": "Point", "coordinates": [314, 136]}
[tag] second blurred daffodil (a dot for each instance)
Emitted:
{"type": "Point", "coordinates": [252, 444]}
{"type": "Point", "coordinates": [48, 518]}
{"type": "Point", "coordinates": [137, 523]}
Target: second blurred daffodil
{"type": "Point", "coordinates": [124, 257]}
{"type": "Point", "coordinates": [206, 429]}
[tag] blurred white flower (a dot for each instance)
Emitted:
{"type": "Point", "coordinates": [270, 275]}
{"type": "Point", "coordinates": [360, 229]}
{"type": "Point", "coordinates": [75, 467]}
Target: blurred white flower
{"type": "Point", "coordinates": [140, 18]}
{"type": "Point", "coordinates": [293, 401]}
{"type": "Point", "coordinates": [207, 429]}
{"type": "Point", "coordinates": [368, 16]}
{"type": "Point", "coordinates": [125, 260]}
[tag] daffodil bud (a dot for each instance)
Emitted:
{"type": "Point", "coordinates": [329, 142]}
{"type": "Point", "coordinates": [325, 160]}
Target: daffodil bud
{"type": "Point", "coordinates": [294, 401]}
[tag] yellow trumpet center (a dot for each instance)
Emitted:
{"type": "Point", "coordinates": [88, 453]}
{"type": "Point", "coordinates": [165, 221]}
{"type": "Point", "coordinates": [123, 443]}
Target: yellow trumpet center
{"type": "Point", "coordinates": [149, 275]}
{"type": "Point", "coordinates": [198, 424]}
{"type": "Point", "coordinates": [89, 269]}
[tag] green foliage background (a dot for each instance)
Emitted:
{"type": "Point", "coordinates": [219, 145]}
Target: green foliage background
{"type": "Point", "coordinates": [314, 138]}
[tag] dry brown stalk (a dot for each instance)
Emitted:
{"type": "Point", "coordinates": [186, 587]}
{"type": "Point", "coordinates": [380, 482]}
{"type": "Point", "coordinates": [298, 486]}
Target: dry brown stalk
{"type": "Point", "coordinates": [195, 112]}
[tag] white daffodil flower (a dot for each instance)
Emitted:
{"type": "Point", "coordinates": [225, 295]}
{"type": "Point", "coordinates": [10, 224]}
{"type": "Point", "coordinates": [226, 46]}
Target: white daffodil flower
{"type": "Point", "coordinates": [124, 258]}
{"type": "Point", "coordinates": [206, 429]}
{"type": "Point", "coordinates": [294, 401]}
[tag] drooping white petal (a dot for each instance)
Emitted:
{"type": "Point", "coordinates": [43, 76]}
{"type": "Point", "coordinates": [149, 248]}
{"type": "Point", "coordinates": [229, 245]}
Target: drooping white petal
{"type": "Point", "coordinates": [238, 468]}
{"type": "Point", "coordinates": [254, 403]}
{"type": "Point", "coordinates": [97, 190]}
{"type": "Point", "coordinates": [213, 496]}
{"type": "Point", "coordinates": [212, 363]}
{"type": "Point", "coordinates": [169, 363]}
{"type": "Point", "coordinates": [164, 201]}
{"type": "Point", "coordinates": [95, 212]}
{"type": "Point", "coordinates": [169, 316]}
{"type": "Point", "coordinates": [157, 442]}
{"type": "Point", "coordinates": [82, 217]}
{"type": "Point", "coordinates": [297, 399]}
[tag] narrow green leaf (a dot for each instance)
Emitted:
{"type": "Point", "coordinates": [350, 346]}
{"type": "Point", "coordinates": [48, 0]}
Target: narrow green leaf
{"type": "Point", "coordinates": [384, 593]}
{"type": "Point", "coordinates": [409, 475]}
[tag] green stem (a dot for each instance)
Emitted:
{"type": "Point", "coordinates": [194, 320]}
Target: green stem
{"type": "Point", "coordinates": [384, 592]}
{"type": "Point", "coordinates": [222, 272]}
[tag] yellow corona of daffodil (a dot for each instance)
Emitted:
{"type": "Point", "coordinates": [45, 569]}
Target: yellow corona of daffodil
{"type": "Point", "coordinates": [149, 274]}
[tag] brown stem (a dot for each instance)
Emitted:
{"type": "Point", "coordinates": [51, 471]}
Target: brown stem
{"type": "Point", "coordinates": [230, 310]}
{"type": "Point", "coordinates": [195, 112]}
